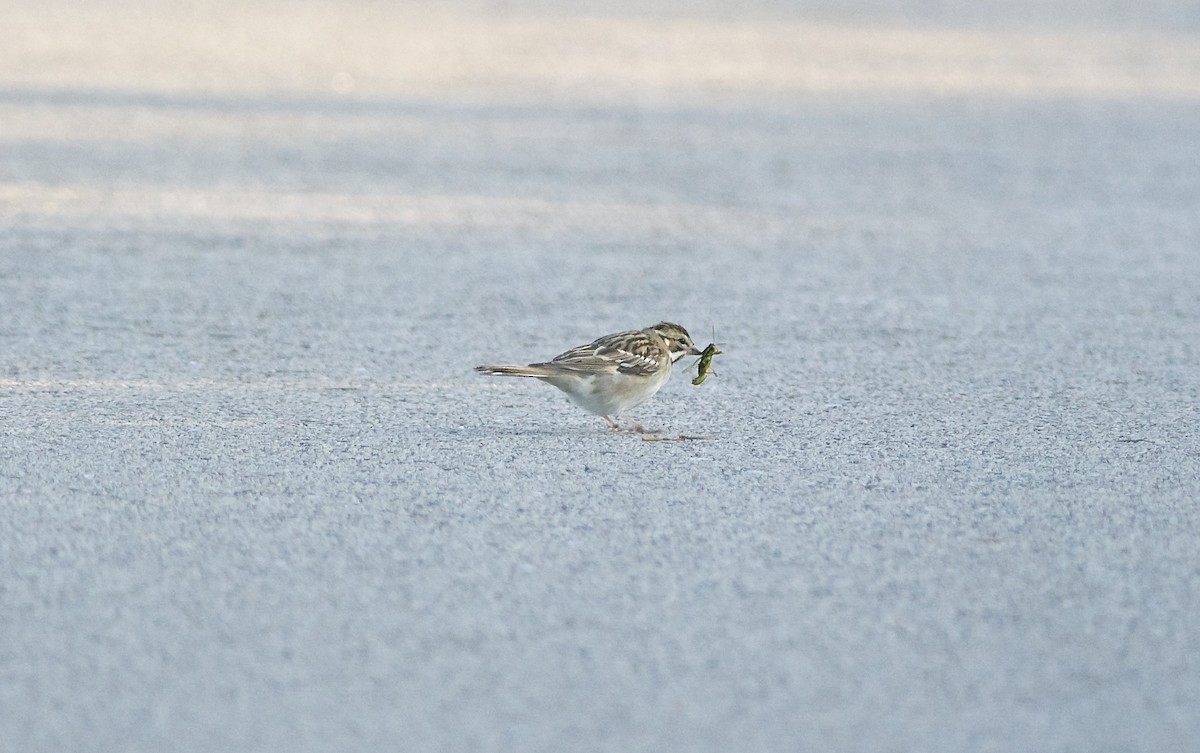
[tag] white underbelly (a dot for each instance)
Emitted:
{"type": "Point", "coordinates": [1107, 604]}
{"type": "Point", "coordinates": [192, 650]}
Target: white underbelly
{"type": "Point", "coordinates": [613, 394]}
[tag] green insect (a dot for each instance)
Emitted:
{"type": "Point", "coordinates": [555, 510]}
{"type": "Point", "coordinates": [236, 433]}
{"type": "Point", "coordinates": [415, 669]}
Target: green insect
{"type": "Point", "coordinates": [704, 365]}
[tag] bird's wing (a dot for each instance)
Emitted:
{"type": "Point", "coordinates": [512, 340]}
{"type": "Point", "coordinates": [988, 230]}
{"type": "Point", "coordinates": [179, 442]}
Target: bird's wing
{"type": "Point", "coordinates": [622, 353]}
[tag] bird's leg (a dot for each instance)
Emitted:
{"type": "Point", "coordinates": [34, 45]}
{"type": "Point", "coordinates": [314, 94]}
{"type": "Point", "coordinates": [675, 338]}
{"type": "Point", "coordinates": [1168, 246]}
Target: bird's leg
{"type": "Point", "coordinates": [638, 428]}
{"type": "Point", "coordinates": [612, 425]}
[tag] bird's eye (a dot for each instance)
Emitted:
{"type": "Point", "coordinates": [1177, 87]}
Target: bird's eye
{"type": "Point", "coordinates": [682, 342]}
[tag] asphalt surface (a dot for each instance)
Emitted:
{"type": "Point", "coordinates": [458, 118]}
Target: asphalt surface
{"type": "Point", "coordinates": [253, 497]}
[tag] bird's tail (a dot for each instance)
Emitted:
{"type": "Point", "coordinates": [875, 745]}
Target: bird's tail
{"type": "Point", "coordinates": [519, 371]}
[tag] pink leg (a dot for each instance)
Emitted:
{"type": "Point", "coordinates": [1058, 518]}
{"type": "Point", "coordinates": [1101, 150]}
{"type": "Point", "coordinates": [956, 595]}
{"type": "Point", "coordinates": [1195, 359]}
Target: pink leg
{"type": "Point", "coordinates": [638, 428]}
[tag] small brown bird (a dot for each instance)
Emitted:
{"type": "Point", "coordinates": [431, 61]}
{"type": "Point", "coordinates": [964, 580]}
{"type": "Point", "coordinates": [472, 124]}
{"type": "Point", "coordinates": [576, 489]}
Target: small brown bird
{"type": "Point", "coordinates": [614, 373]}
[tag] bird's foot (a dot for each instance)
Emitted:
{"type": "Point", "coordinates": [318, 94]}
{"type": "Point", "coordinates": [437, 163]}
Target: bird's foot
{"type": "Point", "coordinates": [633, 428]}
{"type": "Point", "coordinates": [636, 428]}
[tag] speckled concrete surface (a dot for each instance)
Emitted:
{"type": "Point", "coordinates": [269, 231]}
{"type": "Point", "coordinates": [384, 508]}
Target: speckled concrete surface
{"type": "Point", "coordinates": [254, 498]}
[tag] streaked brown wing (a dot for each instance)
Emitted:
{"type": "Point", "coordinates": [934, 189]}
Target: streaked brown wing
{"type": "Point", "coordinates": [624, 353]}
{"type": "Point", "coordinates": [640, 355]}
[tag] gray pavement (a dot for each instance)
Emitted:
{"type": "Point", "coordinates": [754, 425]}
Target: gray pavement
{"type": "Point", "coordinates": [252, 496]}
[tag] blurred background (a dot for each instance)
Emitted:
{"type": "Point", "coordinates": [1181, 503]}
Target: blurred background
{"type": "Point", "coordinates": [701, 134]}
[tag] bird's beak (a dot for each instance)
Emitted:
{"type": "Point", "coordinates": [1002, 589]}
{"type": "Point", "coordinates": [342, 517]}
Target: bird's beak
{"type": "Point", "coordinates": [695, 351]}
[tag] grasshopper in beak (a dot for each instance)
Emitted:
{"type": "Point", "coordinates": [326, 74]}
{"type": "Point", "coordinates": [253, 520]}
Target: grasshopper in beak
{"type": "Point", "coordinates": [704, 364]}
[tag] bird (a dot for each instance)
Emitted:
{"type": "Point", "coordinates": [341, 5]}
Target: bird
{"type": "Point", "coordinates": [614, 373]}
